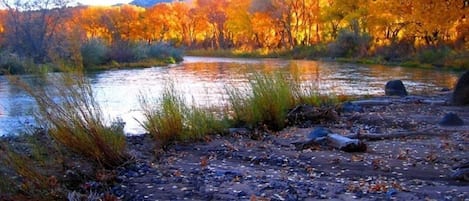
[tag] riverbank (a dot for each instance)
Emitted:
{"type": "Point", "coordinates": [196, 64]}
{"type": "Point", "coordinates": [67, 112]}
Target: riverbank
{"type": "Point", "coordinates": [95, 55]}
{"type": "Point", "coordinates": [267, 166]}
{"type": "Point", "coordinates": [263, 165]}
{"type": "Point", "coordinates": [425, 59]}
{"type": "Point", "coordinates": [138, 64]}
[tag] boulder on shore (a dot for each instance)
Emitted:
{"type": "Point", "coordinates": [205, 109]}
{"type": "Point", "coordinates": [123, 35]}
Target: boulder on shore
{"type": "Point", "coordinates": [461, 91]}
{"type": "Point", "coordinates": [395, 88]}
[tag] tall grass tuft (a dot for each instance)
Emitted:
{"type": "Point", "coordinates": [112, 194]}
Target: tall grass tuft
{"type": "Point", "coordinates": [164, 117]}
{"type": "Point", "coordinates": [26, 176]}
{"type": "Point", "coordinates": [170, 118]}
{"type": "Point", "coordinates": [67, 107]}
{"type": "Point", "coordinates": [266, 104]}
{"type": "Point", "coordinates": [268, 99]}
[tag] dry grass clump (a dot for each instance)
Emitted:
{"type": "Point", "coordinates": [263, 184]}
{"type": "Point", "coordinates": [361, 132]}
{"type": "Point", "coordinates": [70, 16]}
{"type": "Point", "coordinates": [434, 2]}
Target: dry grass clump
{"type": "Point", "coordinates": [266, 103]}
{"type": "Point", "coordinates": [25, 177]}
{"type": "Point", "coordinates": [68, 109]}
{"type": "Point", "coordinates": [74, 139]}
{"type": "Point", "coordinates": [268, 99]}
{"type": "Point", "coordinates": [170, 118]}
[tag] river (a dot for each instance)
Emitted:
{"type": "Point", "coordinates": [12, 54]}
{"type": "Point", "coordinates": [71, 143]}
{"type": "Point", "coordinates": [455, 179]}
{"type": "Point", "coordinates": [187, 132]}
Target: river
{"type": "Point", "coordinates": [203, 80]}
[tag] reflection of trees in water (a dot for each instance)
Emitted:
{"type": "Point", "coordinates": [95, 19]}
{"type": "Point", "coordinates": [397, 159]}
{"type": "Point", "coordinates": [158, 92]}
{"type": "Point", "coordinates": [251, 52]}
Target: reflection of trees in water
{"type": "Point", "coordinates": [204, 80]}
{"type": "Point", "coordinates": [428, 76]}
{"type": "Point", "coordinates": [325, 77]}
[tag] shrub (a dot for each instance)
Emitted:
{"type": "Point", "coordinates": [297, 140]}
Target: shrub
{"type": "Point", "coordinates": [164, 51]}
{"type": "Point", "coordinates": [458, 59]}
{"type": "Point", "coordinates": [350, 44]}
{"type": "Point", "coordinates": [140, 51]}
{"type": "Point", "coordinates": [434, 55]}
{"type": "Point", "coordinates": [127, 52]}
{"type": "Point", "coordinates": [94, 53]}
{"type": "Point", "coordinates": [396, 51]}
{"type": "Point", "coordinates": [11, 63]}
{"type": "Point", "coordinates": [309, 52]}
{"type": "Point", "coordinates": [122, 52]}
{"type": "Point", "coordinates": [67, 107]}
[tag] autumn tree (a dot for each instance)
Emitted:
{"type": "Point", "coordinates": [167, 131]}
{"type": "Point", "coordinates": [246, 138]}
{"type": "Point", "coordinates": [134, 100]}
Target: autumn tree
{"type": "Point", "coordinates": [435, 19]}
{"type": "Point", "coordinates": [157, 23]}
{"type": "Point", "coordinates": [32, 27]}
{"type": "Point", "coordinates": [214, 13]}
{"type": "Point", "coordinates": [345, 14]}
{"type": "Point", "coordinates": [122, 22]}
{"type": "Point", "coordinates": [3, 16]}
{"type": "Point", "coordinates": [185, 22]}
{"type": "Point", "coordinates": [239, 24]}
{"type": "Point", "coordinates": [90, 20]}
{"type": "Point", "coordinates": [304, 16]}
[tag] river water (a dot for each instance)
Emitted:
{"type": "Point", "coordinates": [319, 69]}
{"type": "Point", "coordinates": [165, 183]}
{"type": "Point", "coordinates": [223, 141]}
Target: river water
{"type": "Point", "coordinates": [203, 80]}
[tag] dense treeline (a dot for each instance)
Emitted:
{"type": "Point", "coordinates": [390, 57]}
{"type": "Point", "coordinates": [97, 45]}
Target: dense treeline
{"type": "Point", "coordinates": [338, 28]}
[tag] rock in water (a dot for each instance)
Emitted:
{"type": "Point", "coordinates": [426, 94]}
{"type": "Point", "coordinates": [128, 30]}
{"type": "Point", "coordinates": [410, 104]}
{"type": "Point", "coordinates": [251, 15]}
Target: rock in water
{"type": "Point", "coordinates": [395, 88]}
{"type": "Point", "coordinates": [461, 91]}
{"type": "Point", "coordinates": [451, 119]}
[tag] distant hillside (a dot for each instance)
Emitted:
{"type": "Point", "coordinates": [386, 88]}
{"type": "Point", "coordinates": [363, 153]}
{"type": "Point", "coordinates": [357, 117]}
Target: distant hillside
{"type": "Point", "coordinates": [148, 3]}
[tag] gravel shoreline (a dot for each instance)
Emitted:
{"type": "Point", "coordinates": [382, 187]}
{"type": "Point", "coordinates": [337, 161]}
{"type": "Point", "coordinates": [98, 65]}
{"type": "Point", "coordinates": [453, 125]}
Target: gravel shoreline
{"type": "Point", "coordinates": [267, 166]}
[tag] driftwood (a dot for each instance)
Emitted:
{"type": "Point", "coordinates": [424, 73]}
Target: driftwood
{"type": "Point", "coordinates": [345, 144]}
{"type": "Point", "coordinates": [402, 134]}
{"type": "Point", "coordinates": [461, 172]}
{"type": "Point", "coordinates": [353, 143]}
{"type": "Point", "coordinates": [333, 140]}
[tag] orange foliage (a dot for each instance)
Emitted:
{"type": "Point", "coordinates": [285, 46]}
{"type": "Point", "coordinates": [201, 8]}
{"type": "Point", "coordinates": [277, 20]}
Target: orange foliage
{"type": "Point", "coordinates": [272, 24]}
{"type": "Point", "coordinates": [3, 14]}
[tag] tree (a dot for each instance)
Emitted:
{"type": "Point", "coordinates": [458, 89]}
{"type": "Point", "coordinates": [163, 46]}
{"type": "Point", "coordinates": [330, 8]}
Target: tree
{"type": "Point", "coordinates": [213, 11]}
{"type": "Point", "coordinates": [239, 24]}
{"type": "Point", "coordinates": [346, 14]}
{"type": "Point", "coordinates": [3, 16]}
{"type": "Point", "coordinates": [31, 27]}
{"type": "Point", "coordinates": [275, 15]}
{"type": "Point", "coordinates": [434, 19]}
{"type": "Point", "coordinates": [388, 19]}
{"type": "Point", "coordinates": [122, 22]}
{"type": "Point", "coordinates": [156, 23]}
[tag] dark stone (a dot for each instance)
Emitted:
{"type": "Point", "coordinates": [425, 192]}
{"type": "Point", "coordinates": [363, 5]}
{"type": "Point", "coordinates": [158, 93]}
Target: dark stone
{"type": "Point", "coordinates": [349, 107]}
{"type": "Point", "coordinates": [360, 147]}
{"type": "Point", "coordinates": [241, 131]}
{"type": "Point", "coordinates": [301, 113]}
{"type": "Point", "coordinates": [461, 91]}
{"type": "Point", "coordinates": [444, 89]}
{"type": "Point", "coordinates": [391, 193]}
{"type": "Point", "coordinates": [395, 88]}
{"type": "Point", "coordinates": [451, 119]}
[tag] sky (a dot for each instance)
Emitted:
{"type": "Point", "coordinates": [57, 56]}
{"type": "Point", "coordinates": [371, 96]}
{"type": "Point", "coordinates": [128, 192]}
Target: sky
{"type": "Point", "coordinates": [103, 2]}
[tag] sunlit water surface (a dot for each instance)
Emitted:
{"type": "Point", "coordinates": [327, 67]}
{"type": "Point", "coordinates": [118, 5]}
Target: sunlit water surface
{"type": "Point", "coordinates": [203, 81]}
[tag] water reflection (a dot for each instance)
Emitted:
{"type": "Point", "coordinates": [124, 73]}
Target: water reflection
{"type": "Point", "coordinates": [15, 108]}
{"type": "Point", "coordinates": [203, 81]}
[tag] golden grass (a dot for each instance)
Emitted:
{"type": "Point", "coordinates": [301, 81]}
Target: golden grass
{"type": "Point", "coordinates": [270, 96]}
{"type": "Point", "coordinates": [67, 107]}
{"type": "Point", "coordinates": [170, 118]}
